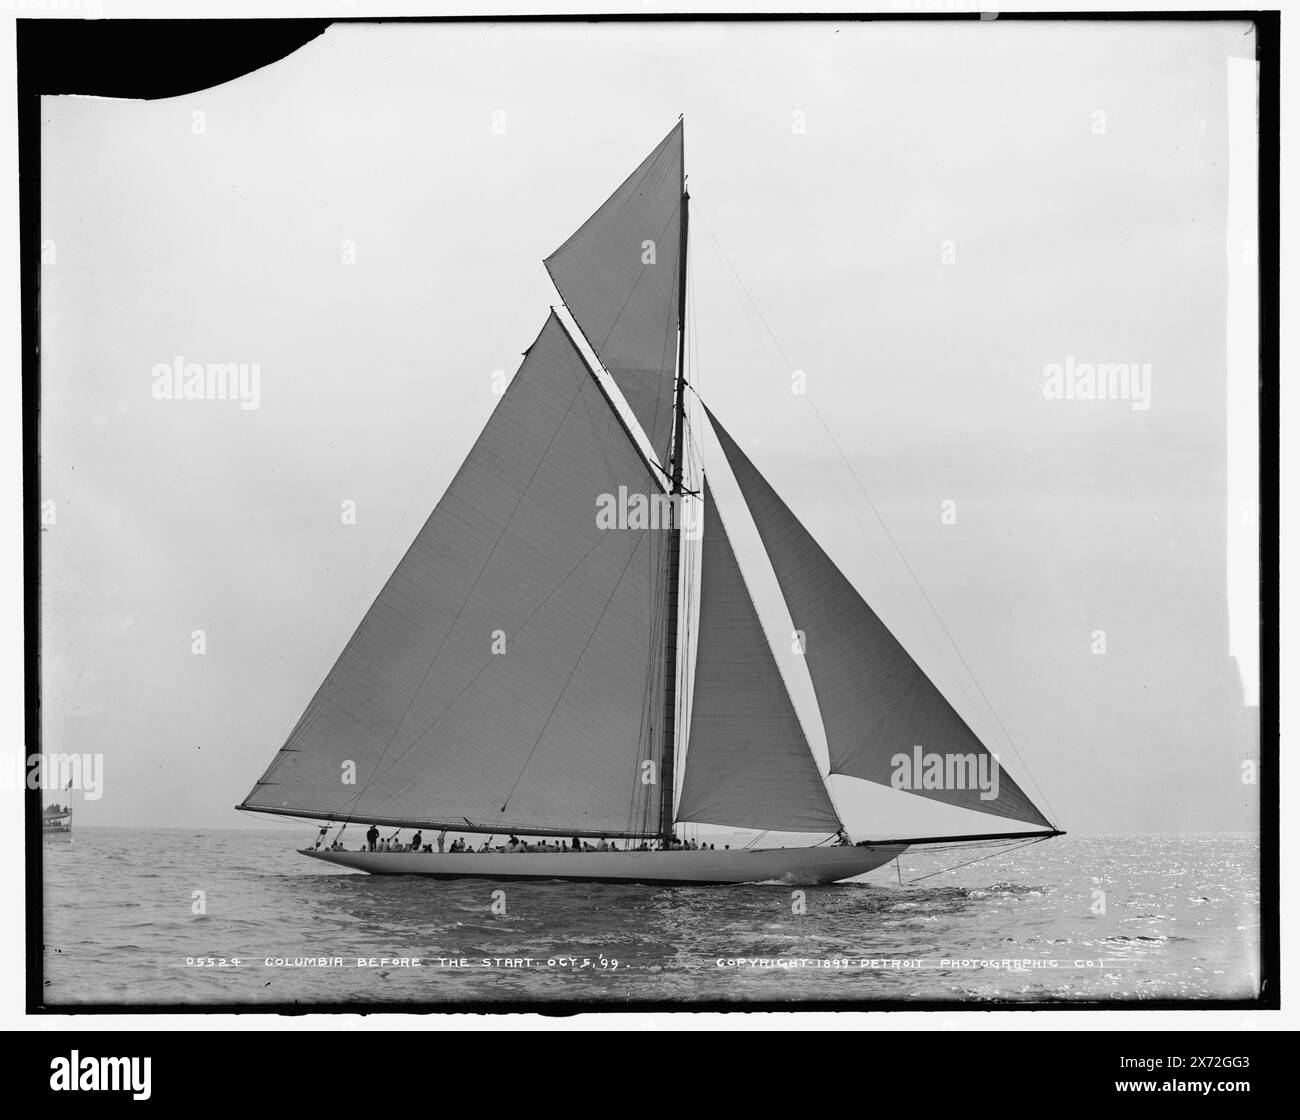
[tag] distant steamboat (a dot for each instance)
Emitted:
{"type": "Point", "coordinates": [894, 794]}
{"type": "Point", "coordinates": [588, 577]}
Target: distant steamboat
{"type": "Point", "coordinates": [56, 822]}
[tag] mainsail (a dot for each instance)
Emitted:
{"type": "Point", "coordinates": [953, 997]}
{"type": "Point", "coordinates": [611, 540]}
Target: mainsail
{"type": "Point", "coordinates": [619, 276]}
{"type": "Point", "coordinates": [877, 705]}
{"type": "Point", "coordinates": [509, 674]}
{"type": "Point", "coordinates": [749, 765]}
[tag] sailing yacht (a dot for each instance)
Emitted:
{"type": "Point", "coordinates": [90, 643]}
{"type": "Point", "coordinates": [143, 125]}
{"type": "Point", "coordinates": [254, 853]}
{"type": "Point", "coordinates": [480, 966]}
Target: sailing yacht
{"type": "Point", "coordinates": [524, 670]}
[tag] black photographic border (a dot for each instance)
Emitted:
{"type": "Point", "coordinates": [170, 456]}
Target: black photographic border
{"type": "Point", "coordinates": [151, 58]}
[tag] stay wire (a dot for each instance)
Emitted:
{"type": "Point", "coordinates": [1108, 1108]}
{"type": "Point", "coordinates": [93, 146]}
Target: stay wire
{"type": "Point", "coordinates": [1021, 765]}
{"type": "Point", "coordinates": [287, 736]}
{"type": "Point", "coordinates": [999, 852]}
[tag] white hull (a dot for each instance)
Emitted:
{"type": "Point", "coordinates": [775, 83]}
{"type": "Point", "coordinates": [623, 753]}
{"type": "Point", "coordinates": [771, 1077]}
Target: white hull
{"type": "Point", "coordinates": [789, 865]}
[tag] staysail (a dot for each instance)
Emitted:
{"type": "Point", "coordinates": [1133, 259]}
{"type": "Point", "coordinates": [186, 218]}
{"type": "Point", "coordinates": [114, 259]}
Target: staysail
{"type": "Point", "coordinates": [749, 764]}
{"type": "Point", "coordinates": [885, 721]}
{"type": "Point", "coordinates": [619, 278]}
{"type": "Point", "coordinates": [509, 674]}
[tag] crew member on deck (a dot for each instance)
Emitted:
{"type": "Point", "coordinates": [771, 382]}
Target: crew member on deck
{"type": "Point", "coordinates": [372, 834]}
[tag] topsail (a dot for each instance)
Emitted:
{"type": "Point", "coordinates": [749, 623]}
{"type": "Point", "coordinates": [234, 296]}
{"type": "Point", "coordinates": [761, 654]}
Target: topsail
{"type": "Point", "coordinates": [619, 276]}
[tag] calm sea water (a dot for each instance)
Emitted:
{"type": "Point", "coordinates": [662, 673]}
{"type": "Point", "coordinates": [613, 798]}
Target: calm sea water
{"type": "Point", "coordinates": [1097, 918]}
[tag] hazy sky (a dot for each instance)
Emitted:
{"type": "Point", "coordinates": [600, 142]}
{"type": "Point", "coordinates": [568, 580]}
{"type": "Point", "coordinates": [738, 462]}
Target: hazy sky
{"type": "Point", "coordinates": [965, 205]}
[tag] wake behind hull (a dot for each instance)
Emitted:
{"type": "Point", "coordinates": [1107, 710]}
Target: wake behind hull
{"type": "Point", "coordinates": [788, 865]}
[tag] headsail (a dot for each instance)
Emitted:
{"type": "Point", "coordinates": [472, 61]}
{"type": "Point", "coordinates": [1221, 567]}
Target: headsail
{"type": "Point", "coordinates": [509, 672]}
{"type": "Point", "coordinates": [878, 706]}
{"type": "Point", "coordinates": [749, 764]}
{"type": "Point", "coordinates": [619, 277]}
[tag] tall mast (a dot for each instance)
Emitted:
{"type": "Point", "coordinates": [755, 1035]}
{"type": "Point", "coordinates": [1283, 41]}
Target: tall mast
{"type": "Point", "coordinates": [667, 778]}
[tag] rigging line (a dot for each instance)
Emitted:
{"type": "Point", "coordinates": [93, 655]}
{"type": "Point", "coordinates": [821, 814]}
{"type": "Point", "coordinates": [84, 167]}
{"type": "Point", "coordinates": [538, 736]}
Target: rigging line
{"type": "Point", "coordinates": [1021, 765]}
{"type": "Point", "coordinates": [655, 683]}
{"type": "Point", "coordinates": [651, 697]}
{"type": "Point", "coordinates": [693, 334]}
{"type": "Point", "coordinates": [685, 688]}
{"type": "Point", "coordinates": [460, 610]}
{"type": "Point", "coordinates": [653, 674]}
{"type": "Point", "coordinates": [1003, 851]}
{"type": "Point", "coordinates": [938, 650]}
{"type": "Point", "coordinates": [492, 660]}
{"type": "Point", "coordinates": [1024, 769]}
{"type": "Point", "coordinates": [970, 845]}
{"type": "Point", "coordinates": [654, 749]}
{"type": "Point", "coordinates": [556, 706]}
{"type": "Point", "coordinates": [474, 391]}
{"type": "Point", "coordinates": [666, 347]}
{"type": "Point", "coordinates": [666, 361]}
{"type": "Point", "coordinates": [698, 446]}
{"type": "Point", "coordinates": [658, 599]}
{"type": "Point", "coordinates": [694, 571]}
{"type": "Point", "coordinates": [690, 615]}
{"type": "Point", "coordinates": [283, 819]}
{"type": "Point", "coordinates": [748, 311]}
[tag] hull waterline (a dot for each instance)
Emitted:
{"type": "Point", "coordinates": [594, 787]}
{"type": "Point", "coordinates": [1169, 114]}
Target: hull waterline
{"type": "Point", "coordinates": [788, 865]}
